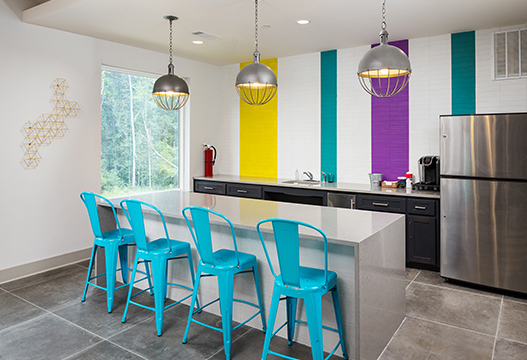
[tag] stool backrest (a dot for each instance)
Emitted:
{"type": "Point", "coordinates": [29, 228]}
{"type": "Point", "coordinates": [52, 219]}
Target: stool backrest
{"type": "Point", "coordinates": [90, 201]}
{"type": "Point", "coordinates": [202, 234]}
{"type": "Point", "coordinates": [287, 240]}
{"type": "Point", "coordinates": [133, 209]}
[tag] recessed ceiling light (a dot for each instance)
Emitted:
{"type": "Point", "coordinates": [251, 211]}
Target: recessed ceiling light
{"type": "Point", "coordinates": [303, 22]}
{"type": "Point", "coordinates": [266, 26]}
{"type": "Point", "coordinates": [197, 42]}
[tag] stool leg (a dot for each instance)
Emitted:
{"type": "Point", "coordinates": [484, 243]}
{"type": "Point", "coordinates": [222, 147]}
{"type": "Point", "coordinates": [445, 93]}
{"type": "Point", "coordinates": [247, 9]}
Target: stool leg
{"type": "Point", "coordinates": [192, 302]}
{"type": "Point", "coordinates": [226, 288]}
{"type": "Point", "coordinates": [338, 318]}
{"type": "Point", "coordinates": [259, 295]}
{"type": "Point", "coordinates": [291, 318]}
{"type": "Point", "coordinates": [123, 259]}
{"type": "Point", "coordinates": [270, 322]}
{"type": "Point", "coordinates": [191, 268]}
{"type": "Point", "coordinates": [134, 270]}
{"type": "Point", "coordinates": [90, 269]}
{"type": "Point", "coordinates": [110, 255]}
{"type": "Point", "coordinates": [313, 305]}
{"type": "Point", "coordinates": [159, 271]}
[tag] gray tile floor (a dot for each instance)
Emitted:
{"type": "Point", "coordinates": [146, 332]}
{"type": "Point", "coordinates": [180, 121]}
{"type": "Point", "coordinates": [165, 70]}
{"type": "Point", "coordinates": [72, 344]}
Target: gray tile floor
{"type": "Point", "coordinates": [41, 317]}
{"type": "Point", "coordinates": [448, 321]}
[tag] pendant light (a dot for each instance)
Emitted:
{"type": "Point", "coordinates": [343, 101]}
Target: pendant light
{"type": "Point", "coordinates": [256, 83]}
{"type": "Point", "coordinates": [170, 91]}
{"type": "Point", "coordinates": [384, 70]}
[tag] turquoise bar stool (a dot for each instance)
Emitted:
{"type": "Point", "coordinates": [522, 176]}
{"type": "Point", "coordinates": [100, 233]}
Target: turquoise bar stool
{"type": "Point", "coordinates": [113, 242]}
{"type": "Point", "coordinates": [299, 282]}
{"type": "Point", "coordinates": [156, 252]}
{"type": "Point", "coordinates": [223, 264]}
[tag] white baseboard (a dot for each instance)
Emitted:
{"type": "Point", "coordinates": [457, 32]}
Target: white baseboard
{"type": "Point", "coordinates": [20, 271]}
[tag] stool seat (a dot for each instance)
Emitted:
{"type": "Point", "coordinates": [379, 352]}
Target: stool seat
{"type": "Point", "coordinates": [311, 279]}
{"type": "Point", "coordinates": [163, 246]}
{"type": "Point", "coordinates": [225, 259]}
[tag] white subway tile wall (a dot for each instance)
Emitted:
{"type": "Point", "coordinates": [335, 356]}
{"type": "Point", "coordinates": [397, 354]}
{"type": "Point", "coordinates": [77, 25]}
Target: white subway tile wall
{"type": "Point", "coordinates": [299, 107]}
{"type": "Point", "coordinates": [430, 94]}
{"type": "Point", "coordinates": [353, 119]}
{"type": "Point", "coordinates": [299, 115]}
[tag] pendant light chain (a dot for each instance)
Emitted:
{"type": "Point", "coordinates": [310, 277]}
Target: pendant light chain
{"type": "Point", "coordinates": [170, 41]}
{"type": "Point", "coordinates": [383, 26]}
{"type": "Point", "coordinates": [256, 25]}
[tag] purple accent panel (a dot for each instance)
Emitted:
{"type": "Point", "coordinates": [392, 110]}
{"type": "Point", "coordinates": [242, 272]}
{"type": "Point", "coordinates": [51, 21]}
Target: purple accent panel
{"type": "Point", "coordinates": [389, 131]}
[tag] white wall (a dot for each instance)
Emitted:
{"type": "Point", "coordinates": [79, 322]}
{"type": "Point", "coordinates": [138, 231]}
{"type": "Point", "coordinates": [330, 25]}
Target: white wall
{"type": "Point", "coordinates": [41, 215]}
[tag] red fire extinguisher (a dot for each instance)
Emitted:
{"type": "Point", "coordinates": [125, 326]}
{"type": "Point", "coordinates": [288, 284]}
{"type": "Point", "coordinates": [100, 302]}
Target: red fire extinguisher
{"type": "Point", "coordinates": [210, 159]}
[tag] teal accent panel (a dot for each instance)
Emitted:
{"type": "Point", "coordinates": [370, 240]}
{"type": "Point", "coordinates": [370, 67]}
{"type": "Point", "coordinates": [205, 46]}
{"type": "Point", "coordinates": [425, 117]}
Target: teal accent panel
{"type": "Point", "coordinates": [328, 112]}
{"type": "Point", "coordinates": [463, 46]}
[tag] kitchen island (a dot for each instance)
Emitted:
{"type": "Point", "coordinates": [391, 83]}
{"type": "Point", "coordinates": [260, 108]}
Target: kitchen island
{"type": "Point", "coordinates": [366, 250]}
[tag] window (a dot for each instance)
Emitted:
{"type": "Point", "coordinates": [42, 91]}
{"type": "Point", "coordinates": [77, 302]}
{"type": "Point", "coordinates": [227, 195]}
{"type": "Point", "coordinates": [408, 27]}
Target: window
{"type": "Point", "coordinates": [139, 140]}
{"type": "Point", "coordinates": [510, 54]}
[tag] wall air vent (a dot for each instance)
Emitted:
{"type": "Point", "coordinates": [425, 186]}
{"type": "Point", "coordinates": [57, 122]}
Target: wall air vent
{"type": "Point", "coordinates": [510, 54]}
{"type": "Point", "coordinates": [207, 36]}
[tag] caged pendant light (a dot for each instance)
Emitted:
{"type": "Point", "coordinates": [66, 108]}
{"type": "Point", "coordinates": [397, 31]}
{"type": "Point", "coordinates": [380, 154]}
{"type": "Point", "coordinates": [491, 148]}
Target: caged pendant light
{"type": "Point", "coordinates": [384, 70]}
{"type": "Point", "coordinates": [170, 91]}
{"type": "Point", "coordinates": [256, 83]}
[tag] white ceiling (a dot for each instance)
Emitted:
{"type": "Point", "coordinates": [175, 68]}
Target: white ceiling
{"type": "Point", "coordinates": [335, 24]}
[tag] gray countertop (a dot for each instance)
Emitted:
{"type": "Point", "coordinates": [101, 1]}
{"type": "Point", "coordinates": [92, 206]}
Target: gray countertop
{"type": "Point", "coordinates": [336, 186]}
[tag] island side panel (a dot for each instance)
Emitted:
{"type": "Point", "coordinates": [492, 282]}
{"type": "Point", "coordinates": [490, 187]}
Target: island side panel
{"type": "Point", "coordinates": [382, 302]}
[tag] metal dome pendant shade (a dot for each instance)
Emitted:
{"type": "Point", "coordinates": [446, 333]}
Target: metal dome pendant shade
{"type": "Point", "coordinates": [384, 70]}
{"type": "Point", "coordinates": [256, 83]}
{"type": "Point", "coordinates": [170, 91]}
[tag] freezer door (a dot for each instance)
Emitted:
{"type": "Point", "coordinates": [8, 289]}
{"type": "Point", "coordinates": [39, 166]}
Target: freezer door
{"type": "Point", "coordinates": [484, 232]}
{"type": "Point", "coordinates": [484, 145]}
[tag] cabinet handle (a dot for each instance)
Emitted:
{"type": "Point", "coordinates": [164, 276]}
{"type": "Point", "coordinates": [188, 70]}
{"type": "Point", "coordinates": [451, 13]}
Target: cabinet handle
{"type": "Point", "coordinates": [208, 188]}
{"type": "Point", "coordinates": [242, 191]}
{"type": "Point", "coordinates": [380, 204]}
{"type": "Point", "coordinates": [410, 229]}
{"type": "Point", "coordinates": [420, 207]}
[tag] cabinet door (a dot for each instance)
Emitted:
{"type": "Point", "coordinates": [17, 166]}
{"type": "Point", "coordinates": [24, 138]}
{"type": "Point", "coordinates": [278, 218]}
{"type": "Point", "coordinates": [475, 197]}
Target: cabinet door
{"type": "Point", "coordinates": [421, 239]}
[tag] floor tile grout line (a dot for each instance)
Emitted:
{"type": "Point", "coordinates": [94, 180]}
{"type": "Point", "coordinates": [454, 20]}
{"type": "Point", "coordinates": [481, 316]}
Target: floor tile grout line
{"type": "Point", "coordinates": [449, 325]}
{"type": "Point", "coordinates": [393, 336]}
{"type": "Point", "coordinates": [415, 277]}
{"type": "Point", "coordinates": [86, 348]}
{"type": "Point", "coordinates": [497, 329]}
{"type": "Point", "coordinates": [122, 347]}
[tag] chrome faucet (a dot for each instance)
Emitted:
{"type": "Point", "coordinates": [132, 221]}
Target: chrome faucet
{"type": "Point", "coordinates": [309, 175]}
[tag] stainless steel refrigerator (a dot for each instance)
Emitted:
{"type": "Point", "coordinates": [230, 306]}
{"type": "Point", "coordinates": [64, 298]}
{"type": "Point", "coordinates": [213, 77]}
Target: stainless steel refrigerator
{"type": "Point", "coordinates": [484, 199]}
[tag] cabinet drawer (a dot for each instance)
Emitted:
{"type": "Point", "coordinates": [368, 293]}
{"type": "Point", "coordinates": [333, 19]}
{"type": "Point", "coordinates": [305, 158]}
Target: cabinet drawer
{"type": "Point", "coordinates": [381, 203]}
{"type": "Point", "coordinates": [422, 207]}
{"type": "Point", "coordinates": [209, 187]}
{"type": "Point", "coordinates": [249, 191]}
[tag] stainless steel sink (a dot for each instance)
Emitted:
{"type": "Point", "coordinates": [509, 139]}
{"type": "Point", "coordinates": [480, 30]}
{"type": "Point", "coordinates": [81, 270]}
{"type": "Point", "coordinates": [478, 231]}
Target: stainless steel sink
{"type": "Point", "coordinates": [302, 182]}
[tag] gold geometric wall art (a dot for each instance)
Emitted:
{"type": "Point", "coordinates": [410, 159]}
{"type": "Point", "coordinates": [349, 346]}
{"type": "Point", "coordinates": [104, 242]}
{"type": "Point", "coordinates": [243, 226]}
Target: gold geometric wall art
{"type": "Point", "coordinates": [48, 127]}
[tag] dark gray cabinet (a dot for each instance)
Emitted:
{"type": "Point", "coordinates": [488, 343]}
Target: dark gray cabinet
{"type": "Point", "coordinates": [243, 190]}
{"type": "Point", "coordinates": [422, 230]}
{"type": "Point", "coordinates": [209, 187]}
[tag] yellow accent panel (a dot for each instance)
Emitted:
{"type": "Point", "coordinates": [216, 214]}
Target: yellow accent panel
{"type": "Point", "coordinates": [259, 135]}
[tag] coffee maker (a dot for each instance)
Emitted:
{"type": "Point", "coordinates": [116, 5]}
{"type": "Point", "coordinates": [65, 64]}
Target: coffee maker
{"type": "Point", "coordinates": [428, 173]}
